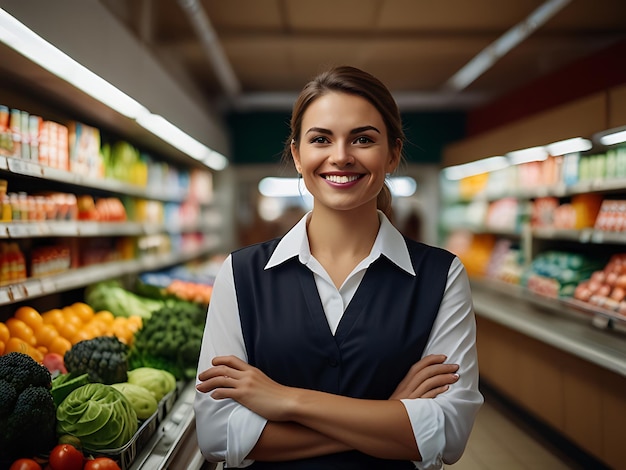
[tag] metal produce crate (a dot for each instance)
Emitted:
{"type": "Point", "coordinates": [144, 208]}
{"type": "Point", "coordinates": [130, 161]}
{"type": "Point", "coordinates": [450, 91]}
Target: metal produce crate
{"type": "Point", "coordinates": [125, 455]}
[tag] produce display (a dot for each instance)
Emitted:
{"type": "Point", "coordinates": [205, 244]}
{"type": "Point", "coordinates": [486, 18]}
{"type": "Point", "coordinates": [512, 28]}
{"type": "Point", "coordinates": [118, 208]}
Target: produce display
{"type": "Point", "coordinates": [177, 283]}
{"type": "Point", "coordinates": [92, 377]}
{"type": "Point", "coordinates": [606, 288]}
{"type": "Point", "coordinates": [556, 273]}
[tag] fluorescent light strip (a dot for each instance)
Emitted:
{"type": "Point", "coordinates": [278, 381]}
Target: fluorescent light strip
{"type": "Point", "coordinates": [167, 131]}
{"type": "Point", "coordinates": [533, 154]}
{"type": "Point", "coordinates": [477, 167]}
{"type": "Point", "coordinates": [32, 46]}
{"type": "Point", "coordinates": [501, 46]}
{"type": "Point", "coordinates": [613, 138]}
{"type": "Point", "coordinates": [282, 187]}
{"type": "Point", "coordinates": [577, 144]}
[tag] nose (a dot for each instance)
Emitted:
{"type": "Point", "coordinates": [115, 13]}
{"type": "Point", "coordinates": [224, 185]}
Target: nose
{"type": "Point", "coordinates": [341, 155]}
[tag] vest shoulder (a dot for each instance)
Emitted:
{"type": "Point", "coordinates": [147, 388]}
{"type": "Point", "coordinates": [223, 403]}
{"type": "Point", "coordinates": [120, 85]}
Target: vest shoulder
{"type": "Point", "coordinates": [262, 249]}
{"type": "Point", "coordinates": [416, 247]}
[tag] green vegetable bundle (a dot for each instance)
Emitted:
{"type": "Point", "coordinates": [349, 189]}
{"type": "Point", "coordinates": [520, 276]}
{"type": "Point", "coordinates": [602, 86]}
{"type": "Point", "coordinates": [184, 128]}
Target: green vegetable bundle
{"type": "Point", "coordinates": [99, 415]}
{"type": "Point", "coordinates": [110, 295]}
{"type": "Point", "coordinates": [170, 340]}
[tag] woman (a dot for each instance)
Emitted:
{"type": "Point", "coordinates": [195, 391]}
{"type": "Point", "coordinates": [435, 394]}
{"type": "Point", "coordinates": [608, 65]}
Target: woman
{"type": "Point", "coordinates": [342, 344]}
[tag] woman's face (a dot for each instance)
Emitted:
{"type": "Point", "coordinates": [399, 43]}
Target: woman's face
{"type": "Point", "coordinates": [343, 153]}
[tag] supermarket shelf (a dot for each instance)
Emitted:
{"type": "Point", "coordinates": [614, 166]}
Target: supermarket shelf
{"type": "Point", "coordinates": [74, 228]}
{"type": "Point", "coordinates": [26, 168]}
{"type": "Point", "coordinates": [81, 277]}
{"type": "Point", "coordinates": [587, 235]}
{"type": "Point", "coordinates": [611, 185]}
{"type": "Point", "coordinates": [552, 322]}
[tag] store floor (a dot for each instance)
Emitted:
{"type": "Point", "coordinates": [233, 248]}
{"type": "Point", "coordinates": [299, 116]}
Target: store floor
{"type": "Point", "coordinates": [505, 438]}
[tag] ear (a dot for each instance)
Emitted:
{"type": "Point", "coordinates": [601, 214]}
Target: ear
{"type": "Point", "coordinates": [295, 154]}
{"type": "Point", "coordinates": [395, 153]}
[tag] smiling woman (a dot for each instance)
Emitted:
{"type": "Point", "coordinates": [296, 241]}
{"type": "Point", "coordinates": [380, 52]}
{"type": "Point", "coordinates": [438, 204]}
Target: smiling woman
{"type": "Point", "coordinates": [341, 344]}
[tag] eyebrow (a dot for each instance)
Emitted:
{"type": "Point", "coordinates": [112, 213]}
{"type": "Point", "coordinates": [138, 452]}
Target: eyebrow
{"type": "Point", "coordinates": [356, 130]}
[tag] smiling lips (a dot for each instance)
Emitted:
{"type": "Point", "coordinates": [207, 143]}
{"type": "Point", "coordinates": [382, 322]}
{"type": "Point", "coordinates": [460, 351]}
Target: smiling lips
{"type": "Point", "coordinates": [341, 179]}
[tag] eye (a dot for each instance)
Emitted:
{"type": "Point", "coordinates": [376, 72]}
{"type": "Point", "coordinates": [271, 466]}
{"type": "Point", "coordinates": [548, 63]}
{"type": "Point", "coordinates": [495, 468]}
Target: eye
{"type": "Point", "coordinates": [320, 139]}
{"type": "Point", "coordinates": [363, 140]}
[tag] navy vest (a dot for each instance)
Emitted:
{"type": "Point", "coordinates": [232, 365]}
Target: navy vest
{"type": "Point", "coordinates": [382, 333]}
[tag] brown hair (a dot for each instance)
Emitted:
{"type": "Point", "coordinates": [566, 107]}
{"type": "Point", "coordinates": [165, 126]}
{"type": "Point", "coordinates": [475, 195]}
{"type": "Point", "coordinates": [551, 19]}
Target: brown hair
{"type": "Point", "coordinates": [351, 80]}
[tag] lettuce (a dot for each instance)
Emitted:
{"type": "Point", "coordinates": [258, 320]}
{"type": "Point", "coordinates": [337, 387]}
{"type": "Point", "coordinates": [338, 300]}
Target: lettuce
{"type": "Point", "coordinates": [99, 415]}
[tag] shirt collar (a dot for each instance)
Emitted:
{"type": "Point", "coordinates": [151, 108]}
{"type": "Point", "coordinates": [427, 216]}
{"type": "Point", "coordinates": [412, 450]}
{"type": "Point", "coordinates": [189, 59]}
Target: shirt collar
{"type": "Point", "coordinates": [389, 242]}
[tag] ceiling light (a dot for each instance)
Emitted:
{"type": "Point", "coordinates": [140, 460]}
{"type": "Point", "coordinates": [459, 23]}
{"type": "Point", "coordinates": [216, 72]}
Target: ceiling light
{"type": "Point", "coordinates": [533, 154]}
{"type": "Point", "coordinates": [477, 167]}
{"type": "Point", "coordinates": [501, 46]}
{"type": "Point", "coordinates": [32, 46]}
{"type": "Point", "coordinates": [563, 147]}
{"type": "Point", "coordinates": [281, 187]}
{"type": "Point", "coordinates": [402, 186]}
{"type": "Point", "coordinates": [171, 134]}
{"type": "Point", "coordinates": [612, 137]}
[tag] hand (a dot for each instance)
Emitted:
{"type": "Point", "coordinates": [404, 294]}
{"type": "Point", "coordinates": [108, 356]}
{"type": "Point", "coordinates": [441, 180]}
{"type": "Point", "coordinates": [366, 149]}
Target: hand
{"type": "Point", "coordinates": [230, 377]}
{"type": "Point", "coordinates": [427, 378]}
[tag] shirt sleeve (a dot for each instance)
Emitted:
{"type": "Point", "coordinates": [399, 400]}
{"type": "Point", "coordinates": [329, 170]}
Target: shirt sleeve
{"type": "Point", "coordinates": [442, 425]}
{"type": "Point", "coordinates": [227, 431]}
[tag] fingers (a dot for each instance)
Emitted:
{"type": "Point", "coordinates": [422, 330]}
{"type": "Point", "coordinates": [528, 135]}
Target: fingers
{"type": "Point", "coordinates": [230, 361]}
{"type": "Point", "coordinates": [435, 392]}
{"type": "Point", "coordinates": [214, 382]}
{"type": "Point", "coordinates": [428, 374]}
{"type": "Point", "coordinates": [433, 386]}
{"type": "Point", "coordinates": [224, 365]}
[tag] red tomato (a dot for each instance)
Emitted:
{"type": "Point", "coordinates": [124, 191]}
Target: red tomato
{"type": "Point", "coordinates": [66, 457]}
{"type": "Point", "coordinates": [25, 464]}
{"type": "Point", "coordinates": [102, 463]}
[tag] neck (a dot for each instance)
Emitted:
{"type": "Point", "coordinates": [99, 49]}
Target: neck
{"type": "Point", "coordinates": [334, 234]}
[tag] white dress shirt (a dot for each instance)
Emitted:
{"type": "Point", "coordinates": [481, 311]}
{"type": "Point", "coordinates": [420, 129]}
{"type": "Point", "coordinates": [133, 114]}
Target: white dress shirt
{"type": "Point", "coordinates": [227, 431]}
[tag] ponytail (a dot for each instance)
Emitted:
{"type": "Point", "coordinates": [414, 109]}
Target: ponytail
{"type": "Point", "coordinates": [383, 201]}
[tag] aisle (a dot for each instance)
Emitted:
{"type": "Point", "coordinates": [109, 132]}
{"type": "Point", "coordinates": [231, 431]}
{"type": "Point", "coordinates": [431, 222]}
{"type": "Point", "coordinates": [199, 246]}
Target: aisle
{"type": "Point", "coordinates": [503, 438]}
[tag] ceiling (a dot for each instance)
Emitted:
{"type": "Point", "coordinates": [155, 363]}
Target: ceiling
{"type": "Point", "coordinates": [257, 54]}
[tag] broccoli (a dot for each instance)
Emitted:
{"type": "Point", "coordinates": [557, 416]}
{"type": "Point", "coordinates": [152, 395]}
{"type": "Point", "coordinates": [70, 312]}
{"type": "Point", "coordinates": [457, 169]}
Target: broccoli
{"type": "Point", "coordinates": [104, 358]}
{"type": "Point", "coordinates": [27, 411]}
{"type": "Point", "coordinates": [170, 339]}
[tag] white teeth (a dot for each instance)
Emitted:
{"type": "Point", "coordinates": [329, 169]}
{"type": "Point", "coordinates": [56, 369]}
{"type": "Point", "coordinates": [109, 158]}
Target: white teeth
{"type": "Point", "coordinates": [341, 179]}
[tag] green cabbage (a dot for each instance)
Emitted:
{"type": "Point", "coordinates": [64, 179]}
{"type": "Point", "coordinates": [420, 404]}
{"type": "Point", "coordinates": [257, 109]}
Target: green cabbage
{"type": "Point", "coordinates": [99, 415]}
{"type": "Point", "coordinates": [141, 399]}
{"type": "Point", "coordinates": [159, 382]}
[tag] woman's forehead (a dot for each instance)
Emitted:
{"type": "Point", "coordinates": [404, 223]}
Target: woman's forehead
{"type": "Point", "coordinates": [341, 109]}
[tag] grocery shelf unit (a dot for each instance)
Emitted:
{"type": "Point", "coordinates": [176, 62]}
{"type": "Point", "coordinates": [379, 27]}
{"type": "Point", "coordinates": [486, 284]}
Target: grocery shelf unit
{"type": "Point", "coordinates": [563, 361]}
{"type": "Point", "coordinates": [26, 86]}
{"type": "Point", "coordinates": [36, 287]}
